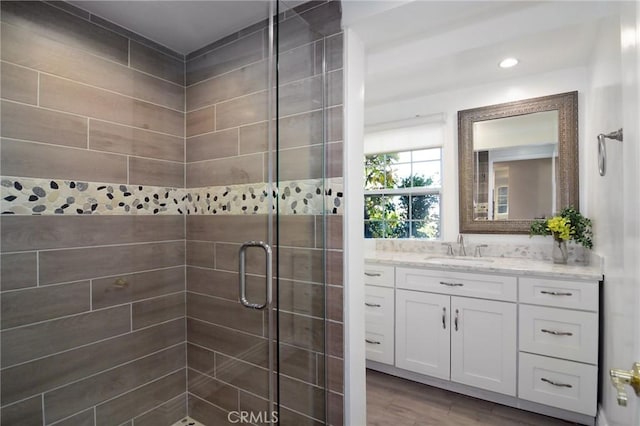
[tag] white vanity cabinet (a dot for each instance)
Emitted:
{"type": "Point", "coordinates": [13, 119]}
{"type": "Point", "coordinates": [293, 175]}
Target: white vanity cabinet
{"type": "Point", "coordinates": [466, 340]}
{"type": "Point", "coordinates": [379, 313]}
{"type": "Point", "coordinates": [524, 339]}
{"type": "Point", "coordinates": [559, 343]}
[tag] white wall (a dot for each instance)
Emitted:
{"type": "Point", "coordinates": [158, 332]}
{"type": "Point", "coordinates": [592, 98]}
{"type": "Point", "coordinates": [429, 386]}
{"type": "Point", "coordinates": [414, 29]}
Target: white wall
{"type": "Point", "coordinates": [604, 114]}
{"type": "Point", "coordinates": [354, 356]}
{"type": "Point", "coordinates": [631, 89]}
{"type": "Point", "coordinates": [630, 43]}
{"type": "Point", "coordinates": [451, 102]}
{"type": "Point", "coordinates": [613, 203]}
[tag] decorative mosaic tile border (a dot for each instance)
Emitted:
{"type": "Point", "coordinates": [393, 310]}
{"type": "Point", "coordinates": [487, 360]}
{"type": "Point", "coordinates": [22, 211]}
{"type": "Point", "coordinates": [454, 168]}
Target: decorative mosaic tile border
{"type": "Point", "coordinates": [32, 196]}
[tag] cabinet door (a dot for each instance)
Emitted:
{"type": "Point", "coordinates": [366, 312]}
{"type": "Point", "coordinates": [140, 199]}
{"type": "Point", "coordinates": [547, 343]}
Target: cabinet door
{"type": "Point", "coordinates": [422, 333]}
{"type": "Point", "coordinates": [483, 344]}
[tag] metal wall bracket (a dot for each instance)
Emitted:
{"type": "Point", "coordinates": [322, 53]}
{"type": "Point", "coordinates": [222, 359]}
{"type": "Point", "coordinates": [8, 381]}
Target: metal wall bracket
{"type": "Point", "coordinates": [602, 149]}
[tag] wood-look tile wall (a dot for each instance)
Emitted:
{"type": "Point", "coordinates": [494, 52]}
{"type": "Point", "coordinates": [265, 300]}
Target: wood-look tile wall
{"type": "Point", "coordinates": [90, 318]}
{"type": "Point", "coordinates": [92, 307]}
{"type": "Point", "coordinates": [82, 102]}
{"type": "Point", "coordinates": [227, 103]}
{"type": "Point", "coordinates": [106, 344]}
{"type": "Point", "coordinates": [226, 143]}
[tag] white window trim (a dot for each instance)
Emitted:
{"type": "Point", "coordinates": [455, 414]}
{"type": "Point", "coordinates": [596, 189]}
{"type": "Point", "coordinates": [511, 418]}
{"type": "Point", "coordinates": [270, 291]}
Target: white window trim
{"type": "Point", "coordinates": [416, 190]}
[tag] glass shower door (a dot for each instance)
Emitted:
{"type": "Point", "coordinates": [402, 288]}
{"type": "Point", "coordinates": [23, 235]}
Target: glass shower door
{"type": "Point", "coordinates": [306, 169]}
{"type": "Point", "coordinates": [281, 269]}
{"type": "Point", "coordinates": [262, 357]}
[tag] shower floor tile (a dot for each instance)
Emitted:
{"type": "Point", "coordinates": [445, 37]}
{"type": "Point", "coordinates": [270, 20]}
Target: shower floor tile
{"type": "Point", "coordinates": [187, 421]}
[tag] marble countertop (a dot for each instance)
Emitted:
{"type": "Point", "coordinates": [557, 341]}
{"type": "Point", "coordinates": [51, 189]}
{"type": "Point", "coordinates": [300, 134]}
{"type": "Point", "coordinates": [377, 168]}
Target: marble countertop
{"type": "Point", "coordinates": [505, 265]}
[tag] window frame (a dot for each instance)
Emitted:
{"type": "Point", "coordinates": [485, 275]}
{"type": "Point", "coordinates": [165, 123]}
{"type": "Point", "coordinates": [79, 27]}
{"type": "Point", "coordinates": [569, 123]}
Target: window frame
{"type": "Point", "coordinates": [411, 191]}
{"type": "Point", "coordinates": [497, 214]}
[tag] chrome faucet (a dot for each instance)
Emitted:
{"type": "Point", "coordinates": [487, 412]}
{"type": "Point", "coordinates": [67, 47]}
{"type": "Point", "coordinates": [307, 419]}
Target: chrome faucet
{"type": "Point", "coordinates": [461, 250]}
{"type": "Point", "coordinates": [449, 249]}
{"type": "Point", "coordinates": [478, 253]}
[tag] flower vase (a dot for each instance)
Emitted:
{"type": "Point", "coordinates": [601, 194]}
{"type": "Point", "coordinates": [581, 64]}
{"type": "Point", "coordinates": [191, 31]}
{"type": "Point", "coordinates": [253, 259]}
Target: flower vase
{"type": "Point", "coordinates": [585, 259]}
{"type": "Point", "coordinates": [560, 252]}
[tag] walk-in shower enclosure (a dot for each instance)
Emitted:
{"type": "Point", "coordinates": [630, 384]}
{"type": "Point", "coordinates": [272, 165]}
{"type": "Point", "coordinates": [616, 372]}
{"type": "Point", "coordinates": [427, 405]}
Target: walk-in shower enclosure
{"type": "Point", "coordinates": [131, 177]}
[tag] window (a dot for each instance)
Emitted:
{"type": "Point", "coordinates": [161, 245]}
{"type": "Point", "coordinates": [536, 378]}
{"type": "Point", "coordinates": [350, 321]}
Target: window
{"type": "Point", "coordinates": [402, 194]}
{"type": "Point", "coordinates": [502, 201]}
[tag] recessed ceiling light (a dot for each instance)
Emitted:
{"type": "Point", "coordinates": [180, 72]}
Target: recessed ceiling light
{"type": "Point", "coordinates": [508, 63]}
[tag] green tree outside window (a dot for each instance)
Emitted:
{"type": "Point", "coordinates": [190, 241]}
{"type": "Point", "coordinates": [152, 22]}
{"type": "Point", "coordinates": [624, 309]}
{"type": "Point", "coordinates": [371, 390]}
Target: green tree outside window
{"type": "Point", "coordinates": [390, 210]}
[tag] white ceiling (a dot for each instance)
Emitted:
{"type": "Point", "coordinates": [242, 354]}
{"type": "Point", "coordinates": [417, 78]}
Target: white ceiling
{"type": "Point", "coordinates": [420, 48]}
{"type": "Point", "coordinates": [183, 26]}
{"type": "Point", "coordinates": [414, 48]}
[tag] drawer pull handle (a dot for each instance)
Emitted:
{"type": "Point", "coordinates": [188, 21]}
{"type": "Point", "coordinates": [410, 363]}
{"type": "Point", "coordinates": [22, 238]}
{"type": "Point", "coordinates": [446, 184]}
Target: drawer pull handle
{"type": "Point", "coordinates": [373, 342]}
{"type": "Point", "coordinates": [556, 293]}
{"type": "Point", "coordinates": [444, 316]}
{"type": "Point", "coordinates": [557, 333]}
{"type": "Point", "coordinates": [560, 385]}
{"type": "Point", "coordinates": [451, 284]}
{"type": "Point", "coordinates": [372, 305]}
{"type": "Point", "coordinates": [373, 274]}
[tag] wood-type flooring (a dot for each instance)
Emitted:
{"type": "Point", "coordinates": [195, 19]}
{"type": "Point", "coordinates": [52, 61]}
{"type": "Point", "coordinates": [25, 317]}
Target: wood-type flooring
{"type": "Point", "coordinates": [392, 401]}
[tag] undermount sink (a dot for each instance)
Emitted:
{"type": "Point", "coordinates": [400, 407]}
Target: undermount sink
{"type": "Point", "coordinates": [462, 261]}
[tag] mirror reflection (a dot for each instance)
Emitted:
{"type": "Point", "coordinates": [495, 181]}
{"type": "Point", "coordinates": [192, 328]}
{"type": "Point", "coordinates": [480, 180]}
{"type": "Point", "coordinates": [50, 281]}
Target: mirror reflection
{"type": "Point", "coordinates": [515, 161]}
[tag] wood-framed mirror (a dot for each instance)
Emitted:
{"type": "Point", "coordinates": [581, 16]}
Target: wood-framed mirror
{"type": "Point", "coordinates": [518, 161]}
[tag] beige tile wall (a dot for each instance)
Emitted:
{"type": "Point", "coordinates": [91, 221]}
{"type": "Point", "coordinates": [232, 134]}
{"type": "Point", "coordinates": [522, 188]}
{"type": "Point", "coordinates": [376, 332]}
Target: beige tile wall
{"type": "Point", "coordinates": [83, 102]}
{"type": "Point", "coordinates": [91, 316]}
{"type": "Point", "coordinates": [92, 307]}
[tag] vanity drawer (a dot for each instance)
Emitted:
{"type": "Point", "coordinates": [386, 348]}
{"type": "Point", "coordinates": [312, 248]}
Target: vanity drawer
{"type": "Point", "coordinates": [379, 305]}
{"type": "Point", "coordinates": [560, 333]}
{"type": "Point", "coordinates": [379, 343]}
{"type": "Point", "coordinates": [559, 293]}
{"type": "Point", "coordinates": [563, 384]}
{"type": "Point", "coordinates": [495, 287]}
{"type": "Point", "coordinates": [379, 323]}
{"type": "Point", "coordinates": [381, 275]}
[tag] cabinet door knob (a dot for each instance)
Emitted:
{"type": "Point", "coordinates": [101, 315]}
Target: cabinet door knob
{"type": "Point", "coordinates": [373, 342]}
{"type": "Point", "coordinates": [560, 385]}
{"type": "Point", "coordinates": [455, 322]}
{"type": "Point", "coordinates": [557, 333]}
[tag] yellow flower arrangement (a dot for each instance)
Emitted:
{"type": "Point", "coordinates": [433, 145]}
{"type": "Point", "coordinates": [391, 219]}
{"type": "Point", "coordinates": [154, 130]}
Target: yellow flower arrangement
{"type": "Point", "coordinates": [567, 225]}
{"type": "Point", "coordinates": [560, 227]}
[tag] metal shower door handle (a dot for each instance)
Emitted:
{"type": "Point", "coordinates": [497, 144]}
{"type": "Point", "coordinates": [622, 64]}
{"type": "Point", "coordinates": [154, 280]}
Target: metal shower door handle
{"type": "Point", "coordinates": [243, 278]}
